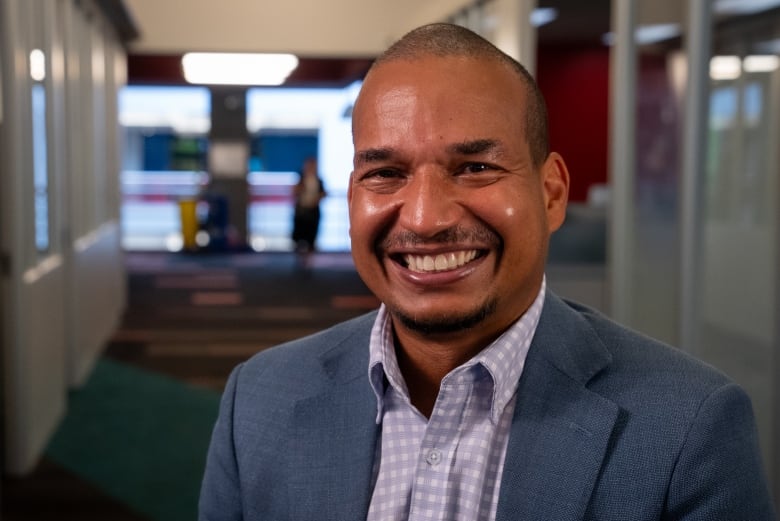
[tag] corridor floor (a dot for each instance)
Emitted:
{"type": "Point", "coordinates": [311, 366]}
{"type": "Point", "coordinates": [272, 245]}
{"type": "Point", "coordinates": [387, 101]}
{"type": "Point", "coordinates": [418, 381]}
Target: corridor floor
{"type": "Point", "coordinates": [190, 318]}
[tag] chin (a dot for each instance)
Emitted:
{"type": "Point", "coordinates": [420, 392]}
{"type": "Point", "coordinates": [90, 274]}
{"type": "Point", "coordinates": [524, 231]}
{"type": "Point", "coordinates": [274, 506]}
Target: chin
{"type": "Point", "coordinates": [446, 323]}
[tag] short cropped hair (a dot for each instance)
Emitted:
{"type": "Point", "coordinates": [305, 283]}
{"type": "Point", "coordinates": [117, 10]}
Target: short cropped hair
{"type": "Point", "coordinates": [449, 40]}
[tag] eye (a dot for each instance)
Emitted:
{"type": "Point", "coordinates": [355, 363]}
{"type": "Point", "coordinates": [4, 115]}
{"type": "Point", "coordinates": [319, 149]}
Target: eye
{"type": "Point", "coordinates": [380, 174]}
{"type": "Point", "coordinates": [385, 173]}
{"type": "Point", "coordinates": [477, 174]}
{"type": "Point", "coordinates": [474, 168]}
{"type": "Point", "coordinates": [382, 180]}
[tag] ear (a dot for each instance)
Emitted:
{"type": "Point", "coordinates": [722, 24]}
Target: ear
{"type": "Point", "coordinates": [555, 182]}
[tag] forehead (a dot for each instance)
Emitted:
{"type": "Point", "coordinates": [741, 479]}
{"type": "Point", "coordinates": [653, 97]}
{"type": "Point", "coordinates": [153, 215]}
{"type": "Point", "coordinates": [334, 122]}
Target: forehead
{"type": "Point", "coordinates": [440, 91]}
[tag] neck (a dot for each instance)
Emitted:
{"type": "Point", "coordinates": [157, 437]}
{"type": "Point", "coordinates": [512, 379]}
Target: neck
{"type": "Point", "coordinates": [425, 360]}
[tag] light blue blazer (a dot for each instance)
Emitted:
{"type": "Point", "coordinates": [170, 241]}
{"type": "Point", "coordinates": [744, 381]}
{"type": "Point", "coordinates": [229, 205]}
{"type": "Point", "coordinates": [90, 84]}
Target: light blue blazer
{"type": "Point", "coordinates": [609, 425]}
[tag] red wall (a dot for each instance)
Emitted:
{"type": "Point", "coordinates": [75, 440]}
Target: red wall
{"type": "Point", "coordinates": [575, 84]}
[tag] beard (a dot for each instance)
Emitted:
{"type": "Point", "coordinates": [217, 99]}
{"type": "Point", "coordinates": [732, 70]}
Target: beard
{"type": "Point", "coordinates": [446, 324]}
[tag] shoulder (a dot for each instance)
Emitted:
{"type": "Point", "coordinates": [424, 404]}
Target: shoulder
{"type": "Point", "coordinates": [631, 349]}
{"type": "Point", "coordinates": [631, 367]}
{"type": "Point", "coordinates": [663, 413]}
{"type": "Point", "coordinates": [261, 394]}
{"type": "Point", "coordinates": [684, 415]}
{"type": "Point", "coordinates": [302, 365]}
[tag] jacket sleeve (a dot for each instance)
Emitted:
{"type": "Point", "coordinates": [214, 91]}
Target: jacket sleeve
{"type": "Point", "coordinates": [220, 495]}
{"type": "Point", "coordinates": [718, 474]}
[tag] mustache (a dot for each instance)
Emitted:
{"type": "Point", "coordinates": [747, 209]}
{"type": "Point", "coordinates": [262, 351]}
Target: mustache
{"type": "Point", "coordinates": [449, 236]}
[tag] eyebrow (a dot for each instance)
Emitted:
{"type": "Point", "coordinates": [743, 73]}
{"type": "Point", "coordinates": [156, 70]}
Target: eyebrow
{"type": "Point", "coordinates": [465, 148]}
{"type": "Point", "coordinates": [477, 146]}
{"type": "Point", "coordinates": [373, 155]}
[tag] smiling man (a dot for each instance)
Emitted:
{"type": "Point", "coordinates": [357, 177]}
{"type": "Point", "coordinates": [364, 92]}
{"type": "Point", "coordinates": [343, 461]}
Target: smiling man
{"type": "Point", "coordinates": [473, 393]}
{"type": "Point", "coordinates": [450, 206]}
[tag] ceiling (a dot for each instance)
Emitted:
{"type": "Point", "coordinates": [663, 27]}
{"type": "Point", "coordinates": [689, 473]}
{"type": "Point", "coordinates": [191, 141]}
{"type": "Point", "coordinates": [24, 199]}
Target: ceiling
{"type": "Point", "coordinates": [336, 40]}
{"type": "Point", "coordinates": [314, 28]}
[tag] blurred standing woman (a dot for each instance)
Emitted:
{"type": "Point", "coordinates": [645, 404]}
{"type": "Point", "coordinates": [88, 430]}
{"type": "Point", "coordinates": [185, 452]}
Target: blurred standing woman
{"type": "Point", "coordinates": [308, 193]}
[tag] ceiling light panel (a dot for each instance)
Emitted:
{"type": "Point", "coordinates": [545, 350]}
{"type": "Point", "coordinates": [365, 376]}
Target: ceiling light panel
{"type": "Point", "coordinates": [237, 68]}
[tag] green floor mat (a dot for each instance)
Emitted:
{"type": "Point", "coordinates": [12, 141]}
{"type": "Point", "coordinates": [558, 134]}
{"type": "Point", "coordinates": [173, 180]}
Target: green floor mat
{"type": "Point", "coordinates": [140, 437]}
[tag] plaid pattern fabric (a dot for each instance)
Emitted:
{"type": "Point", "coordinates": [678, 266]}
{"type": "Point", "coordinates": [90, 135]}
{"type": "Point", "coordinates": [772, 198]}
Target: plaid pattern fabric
{"type": "Point", "coordinates": [447, 467]}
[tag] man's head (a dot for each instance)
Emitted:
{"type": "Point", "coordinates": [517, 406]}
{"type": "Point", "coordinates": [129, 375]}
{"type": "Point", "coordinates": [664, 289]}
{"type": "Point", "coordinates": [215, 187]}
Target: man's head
{"type": "Point", "coordinates": [447, 40]}
{"type": "Point", "coordinates": [453, 193]}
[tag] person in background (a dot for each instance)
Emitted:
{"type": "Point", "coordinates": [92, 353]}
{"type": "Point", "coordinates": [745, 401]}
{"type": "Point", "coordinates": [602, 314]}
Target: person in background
{"type": "Point", "coordinates": [308, 193]}
{"type": "Point", "coordinates": [473, 392]}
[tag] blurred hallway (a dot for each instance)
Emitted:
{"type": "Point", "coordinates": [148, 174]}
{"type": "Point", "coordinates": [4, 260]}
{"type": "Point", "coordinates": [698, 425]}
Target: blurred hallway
{"type": "Point", "coordinates": [189, 320]}
{"type": "Point", "coordinates": [667, 112]}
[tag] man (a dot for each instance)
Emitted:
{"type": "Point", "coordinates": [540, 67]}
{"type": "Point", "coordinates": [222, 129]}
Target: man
{"type": "Point", "coordinates": [473, 393]}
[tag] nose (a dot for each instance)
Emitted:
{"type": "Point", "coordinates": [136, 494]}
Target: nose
{"type": "Point", "coordinates": [430, 204]}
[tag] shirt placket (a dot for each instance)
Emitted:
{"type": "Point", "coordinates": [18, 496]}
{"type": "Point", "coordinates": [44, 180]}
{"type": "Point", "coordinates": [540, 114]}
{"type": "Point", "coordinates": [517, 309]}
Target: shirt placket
{"type": "Point", "coordinates": [432, 497]}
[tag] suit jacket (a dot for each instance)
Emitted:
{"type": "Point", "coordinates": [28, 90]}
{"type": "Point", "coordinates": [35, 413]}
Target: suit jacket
{"type": "Point", "coordinates": [609, 425]}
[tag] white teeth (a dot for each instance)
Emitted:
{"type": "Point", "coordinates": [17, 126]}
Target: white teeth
{"type": "Point", "coordinates": [441, 262]}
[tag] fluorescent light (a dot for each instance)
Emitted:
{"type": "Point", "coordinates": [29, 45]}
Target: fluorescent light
{"type": "Point", "coordinates": [237, 68]}
{"type": "Point", "coordinates": [647, 34]}
{"type": "Point", "coordinates": [37, 65]}
{"type": "Point", "coordinates": [725, 67]}
{"type": "Point", "coordinates": [543, 15]}
{"type": "Point", "coordinates": [761, 63]}
{"type": "Point", "coordinates": [730, 67]}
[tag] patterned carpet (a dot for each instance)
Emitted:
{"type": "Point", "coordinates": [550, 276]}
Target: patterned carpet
{"type": "Point", "coordinates": [194, 317]}
{"type": "Point", "coordinates": [133, 443]}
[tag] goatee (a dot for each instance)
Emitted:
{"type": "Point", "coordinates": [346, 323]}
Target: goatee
{"type": "Point", "coordinates": [445, 324]}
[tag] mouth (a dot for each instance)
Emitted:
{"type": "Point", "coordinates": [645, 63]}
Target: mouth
{"type": "Point", "coordinates": [435, 263]}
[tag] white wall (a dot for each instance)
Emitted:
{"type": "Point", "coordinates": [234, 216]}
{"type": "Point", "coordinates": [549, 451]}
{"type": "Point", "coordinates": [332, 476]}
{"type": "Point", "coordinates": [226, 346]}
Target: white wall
{"type": "Point", "coordinates": [61, 301]}
{"type": "Point", "coordinates": [33, 326]}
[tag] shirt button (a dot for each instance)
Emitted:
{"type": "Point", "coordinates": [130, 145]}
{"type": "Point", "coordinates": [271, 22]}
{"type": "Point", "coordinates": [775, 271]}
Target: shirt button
{"type": "Point", "coordinates": [434, 457]}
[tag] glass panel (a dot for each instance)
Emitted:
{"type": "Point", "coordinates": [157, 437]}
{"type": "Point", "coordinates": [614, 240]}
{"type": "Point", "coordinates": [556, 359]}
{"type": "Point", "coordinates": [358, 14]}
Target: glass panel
{"type": "Point", "coordinates": [737, 311]}
{"type": "Point", "coordinates": [656, 240]}
{"type": "Point", "coordinates": [572, 70]}
{"type": "Point", "coordinates": [98, 183]}
{"type": "Point", "coordinates": [40, 167]}
{"type": "Point", "coordinates": [287, 126]}
{"type": "Point", "coordinates": [165, 143]}
{"type": "Point", "coordinates": [165, 160]}
{"type": "Point", "coordinates": [84, 199]}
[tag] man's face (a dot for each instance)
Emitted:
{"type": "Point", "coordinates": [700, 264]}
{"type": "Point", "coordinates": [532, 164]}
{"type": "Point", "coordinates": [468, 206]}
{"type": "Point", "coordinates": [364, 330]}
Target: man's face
{"type": "Point", "coordinates": [449, 219]}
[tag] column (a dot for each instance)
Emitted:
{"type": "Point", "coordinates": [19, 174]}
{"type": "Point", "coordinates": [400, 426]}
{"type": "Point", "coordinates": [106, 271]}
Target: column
{"type": "Point", "coordinates": [228, 165]}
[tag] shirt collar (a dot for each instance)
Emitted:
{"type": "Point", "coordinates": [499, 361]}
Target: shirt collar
{"type": "Point", "coordinates": [504, 358]}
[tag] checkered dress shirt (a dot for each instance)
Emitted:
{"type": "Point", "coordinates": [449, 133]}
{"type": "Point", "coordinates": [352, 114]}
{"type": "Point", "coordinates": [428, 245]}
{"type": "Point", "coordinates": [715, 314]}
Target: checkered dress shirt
{"type": "Point", "coordinates": [447, 467]}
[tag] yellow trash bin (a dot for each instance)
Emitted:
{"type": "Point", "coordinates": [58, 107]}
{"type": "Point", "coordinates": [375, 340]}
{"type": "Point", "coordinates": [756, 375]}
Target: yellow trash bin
{"type": "Point", "coordinates": [189, 223]}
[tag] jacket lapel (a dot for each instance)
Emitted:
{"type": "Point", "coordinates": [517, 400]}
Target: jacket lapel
{"type": "Point", "coordinates": [334, 439]}
{"type": "Point", "coordinates": [561, 430]}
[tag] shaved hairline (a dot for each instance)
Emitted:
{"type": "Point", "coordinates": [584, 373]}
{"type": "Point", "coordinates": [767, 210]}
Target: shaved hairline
{"type": "Point", "coordinates": [448, 40]}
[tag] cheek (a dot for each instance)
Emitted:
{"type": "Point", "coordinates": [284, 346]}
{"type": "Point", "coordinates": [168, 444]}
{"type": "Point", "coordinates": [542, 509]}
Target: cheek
{"type": "Point", "coordinates": [506, 211]}
{"type": "Point", "coordinates": [515, 216]}
{"type": "Point", "coordinates": [369, 214]}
